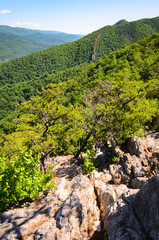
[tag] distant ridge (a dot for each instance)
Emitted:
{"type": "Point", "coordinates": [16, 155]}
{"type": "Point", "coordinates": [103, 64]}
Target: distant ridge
{"type": "Point", "coordinates": [88, 49]}
{"type": "Point", "coordinates": [17, 42]}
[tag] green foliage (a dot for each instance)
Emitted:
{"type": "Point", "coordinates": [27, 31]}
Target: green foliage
{"type": "Point", "coordinates": [21, 178]}
{"type": "Point", "coordinates": [88, 166]}
{"type": "Point", "coordinates": [22, 77]}
{"type": "Point", "coordinates": [115, 37]}
{"type": "Point", "coordinates": [13, 46]}
{"type": "Point", "coordinates": [18, 42]}
{"type": "Point", "coordinates": [114, 159]}
{"type": "Point", "coordinates": [110, 100]}
{"type": "Point", "coordinates": [49, 124]}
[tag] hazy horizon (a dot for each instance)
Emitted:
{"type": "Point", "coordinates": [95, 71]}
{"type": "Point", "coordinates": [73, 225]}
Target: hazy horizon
{"type": "Point", "coordinates": [74, 17]}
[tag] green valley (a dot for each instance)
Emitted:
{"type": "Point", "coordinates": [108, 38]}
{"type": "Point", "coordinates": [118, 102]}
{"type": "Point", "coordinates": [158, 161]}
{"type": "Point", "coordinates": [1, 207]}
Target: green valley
{"type": "Point", "coordinates": [17, 42]}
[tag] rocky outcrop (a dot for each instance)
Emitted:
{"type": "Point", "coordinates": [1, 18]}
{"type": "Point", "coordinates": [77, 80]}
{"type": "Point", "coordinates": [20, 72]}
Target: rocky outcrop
{"type": "Point", "coordinates": [108, 194]}
{"type": "Point", "coordinates": [135, 216]}
{"type": "Point", "coordinates": [139, 159]}
{"type": "Point", "coordinates": [102, 205]}
{"type": "Point", "coordinates": [139, 182]}
{"type": "Point", "coordinates": [71, 212]}
{"type": "Point", "coordinates": [121, 223]}
{"type": "Point", "coordinates": [78, 216]}
{"type": "Point", "coordinates": [146, 205]}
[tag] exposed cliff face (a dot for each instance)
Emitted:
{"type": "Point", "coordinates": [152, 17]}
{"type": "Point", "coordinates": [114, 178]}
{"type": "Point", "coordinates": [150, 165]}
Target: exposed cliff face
{"type": "Point", "coordinates": [135, 216]}
{"type": "Point", "coordinates": [101, 205]}
{"type": "Point", "coordinates": [121, 22]}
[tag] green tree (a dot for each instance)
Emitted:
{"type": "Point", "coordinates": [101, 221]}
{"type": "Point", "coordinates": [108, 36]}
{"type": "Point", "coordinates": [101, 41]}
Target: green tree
{"type": "Point", "coordinates": [118, 106]}
{"type": "Point", "coordinates": [47, 127]}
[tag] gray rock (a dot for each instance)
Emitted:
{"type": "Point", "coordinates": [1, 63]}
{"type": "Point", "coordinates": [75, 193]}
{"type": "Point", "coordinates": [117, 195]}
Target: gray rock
{"type": "Point", "coordinates": [127, 163]}
{"type": "Point", "coordinates": [147, 207]}
{"type": "Point", "coordinates": [77, 213]}
{"type": "Point", "coordinates": [43, 230]}
{"type": "Point", "coordinates": [94, 175]}
{"type": "Point", "coordinates": [118, 174]}
{"type": "Point", "coordinates": [144, 160]}
{"type": "Point", "coordinates": [132, 165]}
{"type": "Point", "coordinates": [138, 182]}
{"type": "Point", "coordinates": [135, 216]}
{"type": "Point", "coordinates": [154, 162]}
{"type": "Point", "coordinates": [120, 222]}
{"type": "Point", "coordinates": [137, 167]}
{"type": "Point", "coordinates": [135, 146]}
{"type": "Point", "coordinates": [51, 235]}
{"type": "Point", "coordinates": [105, 195]}
{"type": "Point", "coordinates": [61, 192]}
{"type": "Point", "coordinates": [151, 142]}
{"type": "Point", "coordinates": [100, 156]}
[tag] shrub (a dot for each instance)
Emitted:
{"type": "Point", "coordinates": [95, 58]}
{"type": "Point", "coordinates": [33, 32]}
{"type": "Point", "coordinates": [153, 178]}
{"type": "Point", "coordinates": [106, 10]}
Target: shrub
{"type": "Point", "coordinates": [21, 178]}
{"type": "Point", "coordinates": [88, 164]}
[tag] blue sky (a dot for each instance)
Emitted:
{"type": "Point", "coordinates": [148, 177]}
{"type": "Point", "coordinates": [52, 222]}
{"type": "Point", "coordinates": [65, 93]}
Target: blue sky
{"type": "Point", "coordinates": [74, 16]}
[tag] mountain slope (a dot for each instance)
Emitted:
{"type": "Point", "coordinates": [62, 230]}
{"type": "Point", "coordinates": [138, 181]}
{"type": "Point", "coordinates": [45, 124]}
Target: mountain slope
{"type": "Point", "coordinates": [141, 59]}
{"type": "Point", "coordinates": [13, 46]}
{"type": "Point", "coordinates": [124, 84]}
{"type": "Point", "coordinates": [55, 39]}
{"type": "Point", "coordinates": [114, 37]}
{"type": "Point", "coordinates": [16, 30]}
{"type": "Point", "coordinates": [22, 77]}
{"type": "Point", "coordinates": [26, 31]}
{"type": "Point", "coordinates": [85, 50]}
{"type": "Point", "coordinates": [17, 42]}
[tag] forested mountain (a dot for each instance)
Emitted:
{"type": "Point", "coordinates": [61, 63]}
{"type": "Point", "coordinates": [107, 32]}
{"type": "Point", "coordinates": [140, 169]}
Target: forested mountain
{"type": "Point", "coordinates": [116, 96]}
{"type": "Point", "coordinates": [13, 46]}
{"type": "Point", "coordinates": [20, 78]}
{"type": "Point", "coordinates": [26, 32]}
{"type": "Point", "coordinates": [17, 42]}
{"type": "Point", "coordinates": [111, 99]}
{"type": "Point", "coordinates": [16, 30]}
{"type": "Point", "coordinates": [87, 49]}
{"type": "Point", "coordinates": [13, 94]}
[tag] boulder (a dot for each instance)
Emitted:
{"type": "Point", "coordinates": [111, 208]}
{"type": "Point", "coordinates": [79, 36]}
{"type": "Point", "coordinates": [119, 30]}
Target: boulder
{"type": "Point", "coordinates": [100, 157]}
{"type": "Point", "coordinates": [77, 214]}
{"type": "Point", "coordinates": [94, 174]}
{"type": "Point", "coordinates": [154, 162]}
{"type": "Point", "coordinates": [135, 146]}
{"type": "Point", "coordinates": [127, 163]}
{"type": "Point", "coordinates": [108, 194]}
{"type": "Point", "coordinates": [120, 221]}
{"type": "Point", "coordinates": [115, 171]}
{"type": "Point", "coordinates": [61, 215]}
{"type": "Point", "coordinates": [146, 205]}
{"type": "Point", "coordinates": [137, 167]}
{"type": "Point", "coordinates": [132, 165]}
{"type": "Point", "coordinates": [138, 182]}
{"type": "Point", "coordinates": [105, 196]}
{"type": "Point", "coordinates": [134, 215]}
{"type": "Point", "coordinates": [152, 141]}
{"type": "Point", "coordinates": [61, 192]}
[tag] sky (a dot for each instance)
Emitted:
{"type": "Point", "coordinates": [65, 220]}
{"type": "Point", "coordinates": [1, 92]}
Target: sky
{"type": "Point", "coordinates": [74, 16]}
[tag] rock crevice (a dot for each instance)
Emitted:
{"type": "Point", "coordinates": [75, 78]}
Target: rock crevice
{"type": "Point", "coordinates": [119, 202]}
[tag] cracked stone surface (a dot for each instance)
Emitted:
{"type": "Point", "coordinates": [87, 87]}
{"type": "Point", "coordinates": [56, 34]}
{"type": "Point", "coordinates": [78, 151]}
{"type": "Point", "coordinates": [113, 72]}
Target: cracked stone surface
{"type": "Point", "coordinates": [96, 206]}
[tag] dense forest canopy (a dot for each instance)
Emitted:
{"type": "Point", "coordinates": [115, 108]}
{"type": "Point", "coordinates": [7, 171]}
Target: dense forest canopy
{"type": "Point", "coordinates": [21, 78]}
{"type": "Point", "coordinates": [87, 49]}
{"type": "Point", "coordinates": [114, 97]}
